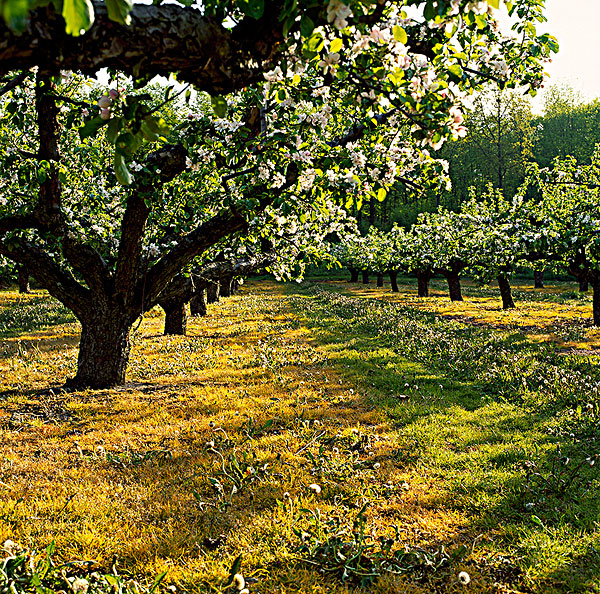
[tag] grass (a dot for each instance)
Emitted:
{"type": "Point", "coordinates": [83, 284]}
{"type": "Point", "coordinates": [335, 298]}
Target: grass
{"type": "Point", "coordinates": [325, 433]}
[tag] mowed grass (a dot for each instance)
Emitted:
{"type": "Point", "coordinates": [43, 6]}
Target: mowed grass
{"type": "Point", "coordinates": [323, 436]}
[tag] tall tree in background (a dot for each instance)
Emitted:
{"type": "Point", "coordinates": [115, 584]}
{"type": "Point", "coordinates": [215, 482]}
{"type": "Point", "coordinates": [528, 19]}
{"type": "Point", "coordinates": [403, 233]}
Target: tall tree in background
{"type": "Point", "coordinates": [500, 141]}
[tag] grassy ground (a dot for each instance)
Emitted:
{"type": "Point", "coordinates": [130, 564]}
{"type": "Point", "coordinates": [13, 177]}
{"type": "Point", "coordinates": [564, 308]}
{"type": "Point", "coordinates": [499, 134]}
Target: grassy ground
{"type": "Point", "coordinates": [325, 433]}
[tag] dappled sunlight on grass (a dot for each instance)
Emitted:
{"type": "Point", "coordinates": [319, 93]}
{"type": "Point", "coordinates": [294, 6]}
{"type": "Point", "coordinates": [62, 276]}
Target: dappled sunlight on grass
{"type": "Point", "coordinates": [557, 313]}
{"type": "Point", "coordinates": [267, 429]}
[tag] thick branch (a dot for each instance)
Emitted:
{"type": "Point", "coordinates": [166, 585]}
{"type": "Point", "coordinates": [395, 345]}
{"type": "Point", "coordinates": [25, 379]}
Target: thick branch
{"type": "Point", "coordinates": [160, 40]}
{"type": "Point", "coordinates": [49, 274]}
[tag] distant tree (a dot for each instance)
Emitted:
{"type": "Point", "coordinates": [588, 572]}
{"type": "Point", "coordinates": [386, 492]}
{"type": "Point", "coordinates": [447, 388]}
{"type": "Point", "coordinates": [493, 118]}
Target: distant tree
{"type": "Point", "coordinates": [569, 126]}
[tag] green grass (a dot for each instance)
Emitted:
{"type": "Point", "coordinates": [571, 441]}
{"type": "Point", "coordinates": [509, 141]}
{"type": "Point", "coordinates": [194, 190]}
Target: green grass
{"type": "Point", "coordinates": [437, 445]}
{"type": "Point", "coordinates": [505, 428]}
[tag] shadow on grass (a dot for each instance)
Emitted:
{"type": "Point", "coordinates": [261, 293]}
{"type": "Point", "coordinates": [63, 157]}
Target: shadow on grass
{"type": "Point", "coordinates": [497, 438]}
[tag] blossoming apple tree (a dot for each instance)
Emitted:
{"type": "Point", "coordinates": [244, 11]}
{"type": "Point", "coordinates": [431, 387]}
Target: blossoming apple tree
{"type": "Point", "coordinates": [308, 100]}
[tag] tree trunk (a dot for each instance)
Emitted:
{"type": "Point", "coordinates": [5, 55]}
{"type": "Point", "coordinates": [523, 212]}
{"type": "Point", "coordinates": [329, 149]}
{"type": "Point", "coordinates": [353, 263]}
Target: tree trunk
{"type": "Point", "coordinates": [423, 278]}
{"type": "Point", "coordinates": [235, 286]}
{"type": "Point", "coordinates": [595, 278]}
{"type": "Point", "coordinates": [212, 293]}
{"type": "Point", "coordinates": [453, 280]}
{"type": "Point", "coordinates": [380, 279]}
{"type": "Point", "coordinates": [103, 352]}
{"type": "Point", "coordinates": [393, 274]}
{"type": "Point", "coordinates": [353, 275]}
{"type": "Point", "coordinates": [225, 286]}
{"type": "Point", "coordinates": [505, 292]}
{"type": "Point", "coordinates": [365, 277]}
{"type": "Point", "coordinates": [538, 279]}
{"type": "Point", "coordinates": [23, 279]}
{"type": "Point", "coordinates": [198, 303]}
{"type": "Point", "coordinates": [175, 317]}
{"type": "Point", "coordinates": [583, 284]}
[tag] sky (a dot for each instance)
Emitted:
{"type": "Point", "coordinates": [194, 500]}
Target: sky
{"type": "Point", "coordinates": [576, 26]}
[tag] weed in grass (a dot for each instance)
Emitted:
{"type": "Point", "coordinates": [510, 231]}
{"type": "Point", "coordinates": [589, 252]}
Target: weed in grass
{"type": "Point", "coordinates": [24, 571]}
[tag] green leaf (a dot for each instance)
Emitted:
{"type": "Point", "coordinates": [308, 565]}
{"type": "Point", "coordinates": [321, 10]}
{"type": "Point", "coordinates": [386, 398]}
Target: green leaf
{"type": "Point", "coordinates": [381, 194]}
{"type": "Point", "coordinates": [118, 11]}
{"type": "Point", "coordinates": [400, 34]}
{"type": "Point", "coordinates": [14, 13]}
{"type": "Point", "coordinates": [114, 127]}
{"type": "Point", "coordinates": [219, 105]}
{"type": "Point", "coordinates": [235, 568]}
{"type": "Point", "coordinates": [494, 4]}
{"type": "Point", "coordinates": [252, 8]}
{"type": "Point", "coordinates": [121, 171]}
{"type": "Point", "coordinates": [307, 25]}
{"type": "Point", "coordinates": [91, 127]}
{"type": "Point", "coordinates": [336, 45]}
{"type": "Point", "coordinates": [78, 15]}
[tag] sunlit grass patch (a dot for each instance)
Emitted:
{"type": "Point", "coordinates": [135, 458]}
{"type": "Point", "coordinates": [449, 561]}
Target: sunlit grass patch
{"type": "Point", "coordinates": [556, 313]}
{"type": "Point", "coordinates": [284, 414]}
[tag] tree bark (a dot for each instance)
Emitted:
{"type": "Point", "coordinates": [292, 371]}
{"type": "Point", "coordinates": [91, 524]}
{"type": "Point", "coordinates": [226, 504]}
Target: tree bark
{"type": "Point", "coordinates": [198, 303]}
{"type": "Point", "coordinates": [175, 317]}
{"type": "Point", "coordinates": [235, 286]}
{"type": "Point", "coordinates": [393, 274]}
{"type": "Point", "coordinates": [380, 279]}
{"type": "Point", "coordinates": [225, 286]}
{"type": "Point", "coordinates": [160, 40]}
{"type": "Point", "coordinates": [538, 279]}
{"type": "Point", "coordinates": [353, 275]}
{"type": "Point", "coordinates": [423, 278]}
{"type": "Point", "coordinates": [454, 290]}
{"type": "Point", "coordinates": [103, 351]}
{"type": "Point", "coordinates": [365, 277]}
{"type": "Point", "coordinates": [584, 284]}
{"type": "Point", "coordinates": [595, 278]}
{"type": "Point", "coordinates": [505, 292]}
{"type": "Point", "coordinates": [23, 279]}
{"type": "Point", "coordinates": [212, 292]}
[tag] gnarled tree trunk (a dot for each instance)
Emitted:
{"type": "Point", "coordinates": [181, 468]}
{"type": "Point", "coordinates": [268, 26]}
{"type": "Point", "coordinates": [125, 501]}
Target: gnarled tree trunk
{"type": "Point", "coordinates": [103, 350]}
{"type": "Point", "coordinates": [423, 278]}
{"type": "Point", "coordinates": [538, 279]}
{"type": "Point", "coordinates": [595, 279]}
{"type": "Point", "coordinates": [23, 279]}
{"type": "Point", "coordinates": [393, 274]}
{"type": "Point", "coordinates": [353, 275]}
{"type": "Point", "coordinates": [225, 286]}
{"type": "Point", "coordinates": [212, 292]}
{"type": "Point", "coordinates": [505, 292]}
{"type": "Point", "coordinates": [453, 279]}
{"type": "Point", "coordinates": [198, 303]}
{"type": "Point", "coordinates": [365, 277]}
{"type": "Point", "coordinates": [175, 316]}
{"type": "Point", "coordinates": [380, 279]}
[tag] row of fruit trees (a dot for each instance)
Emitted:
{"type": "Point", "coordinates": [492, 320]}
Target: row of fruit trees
{"type": "Point", "coordinates": [552, 223]}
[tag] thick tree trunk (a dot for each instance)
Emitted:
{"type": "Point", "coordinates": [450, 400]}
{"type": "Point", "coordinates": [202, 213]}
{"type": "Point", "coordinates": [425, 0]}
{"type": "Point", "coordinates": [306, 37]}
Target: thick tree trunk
{"type": "Point", "coordinates": [423, 278]}
{"type": "Point", "coordinates": [235, 286]}
{"type": "Point", "coordinates": [595, 278]}
{"type": "Point", "coordinates": [23, 279]}
{"type": "Point", "coordinates": [538, 279]}
{"type": "Point", "coordinates": [583, 284]}
{"type": "Point", "coordinates": [175, 317]}
{"type": "Point", "coordinates": [380, 279]}
{"type": "Point", "coordinates": [353, 275]}
{"type": "Point", "coordinates": [365, 277]}
{"type": "Point", "coordinates": [198, 303]}
{"type": "Point", "coordinates": [212, 293]}
{"type": "Point", "coordinates": [505, 292]}
{"type": "Point", "coordinates": [225, 286]}
{"type": "Point", "coordinates": [393, 274]}
{"type": "Point", "coordinates": [103, 352]}
{"type": "Point", "coordinates": [453, 280]}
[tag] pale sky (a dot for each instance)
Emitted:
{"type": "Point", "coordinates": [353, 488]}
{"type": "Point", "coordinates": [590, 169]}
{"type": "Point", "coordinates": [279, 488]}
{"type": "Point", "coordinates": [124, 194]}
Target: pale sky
{"type": "Point", "coordinates": [576, 26]}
